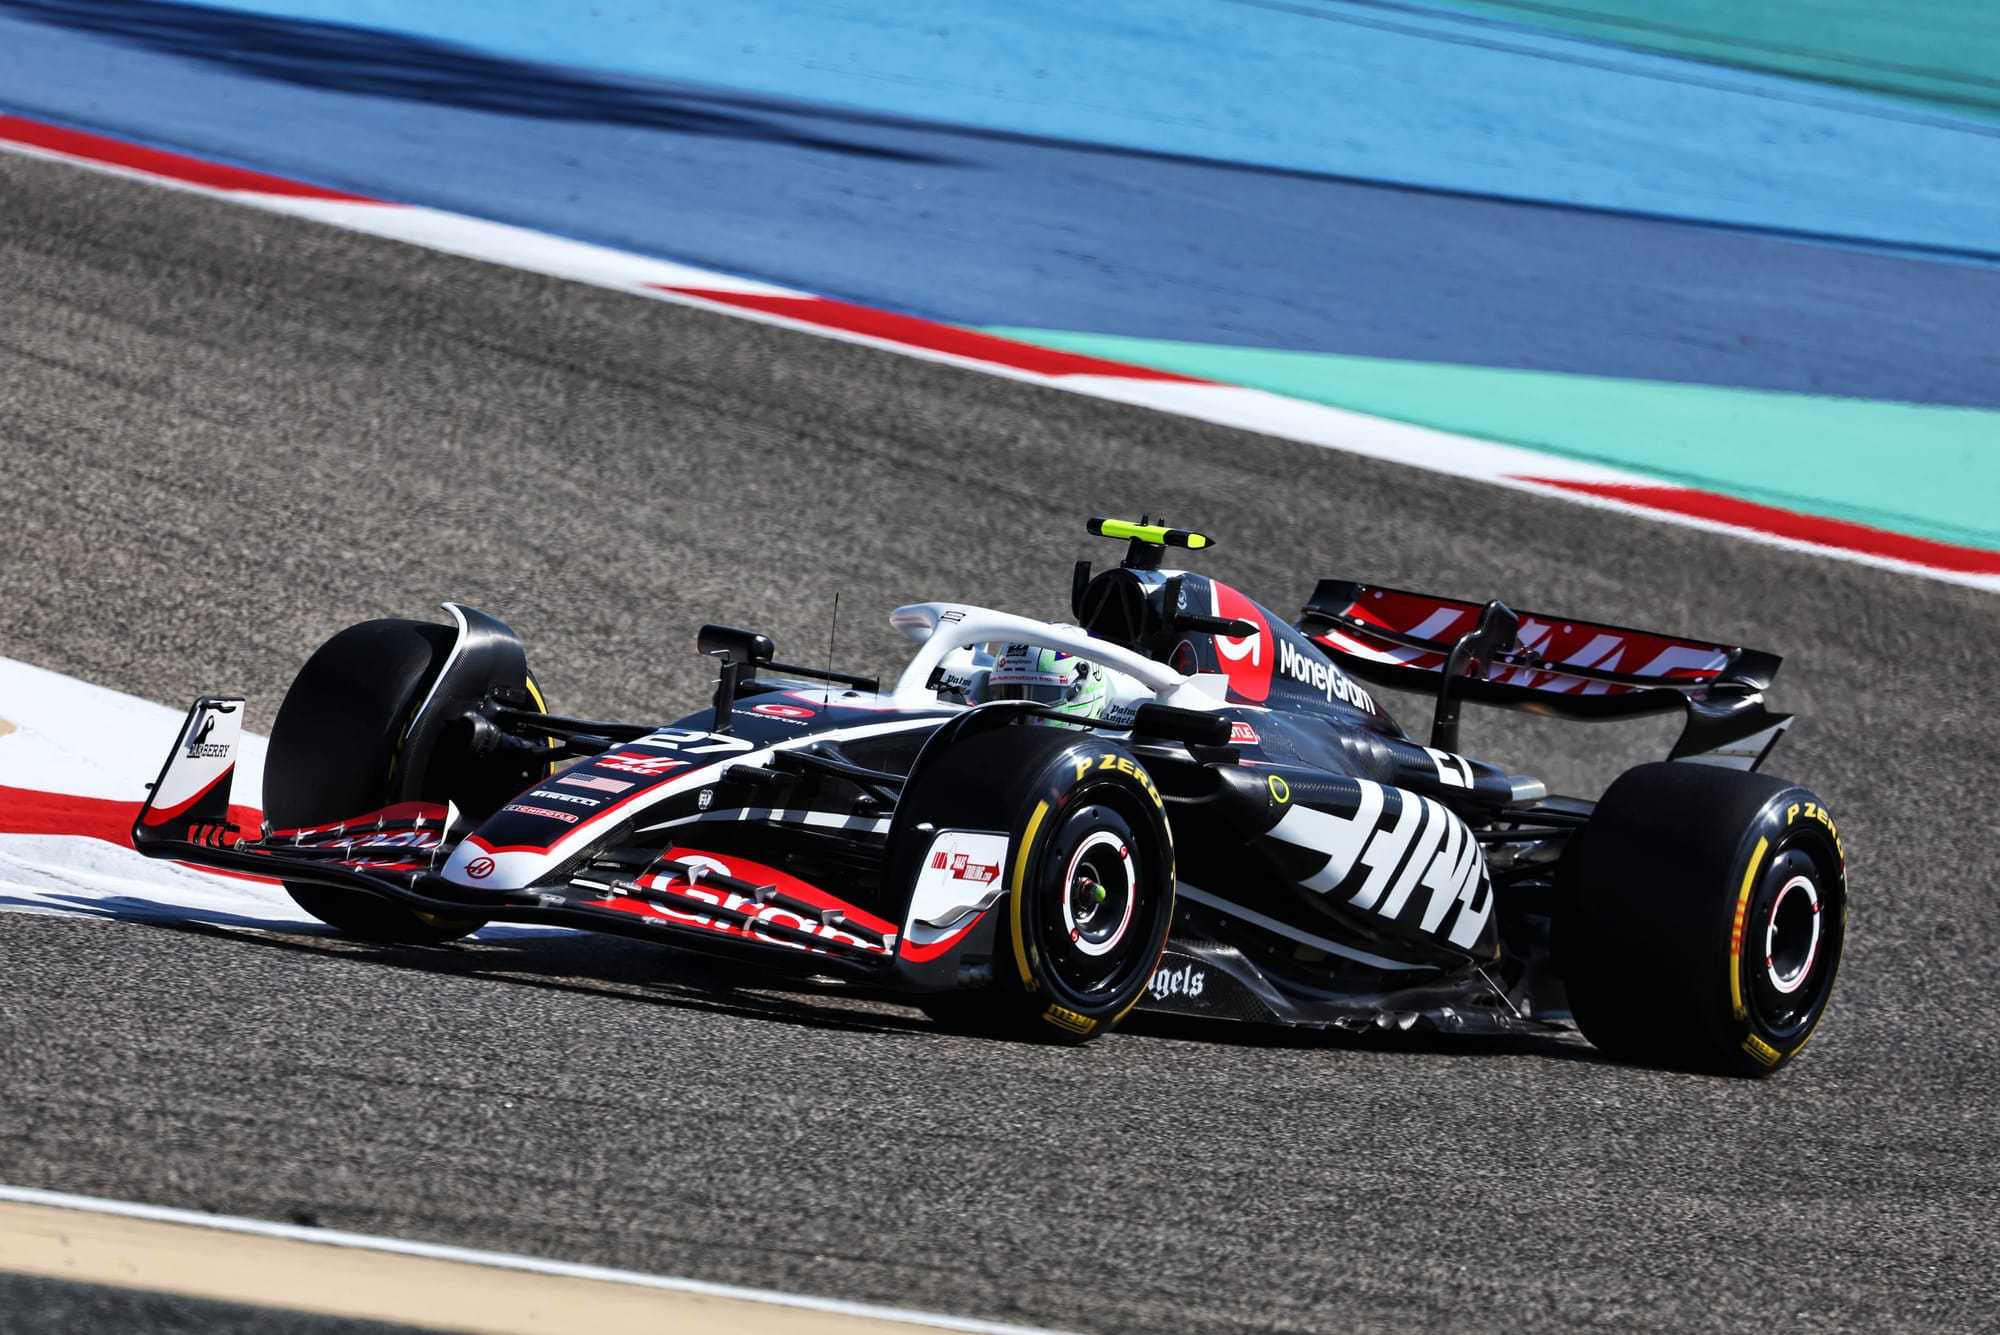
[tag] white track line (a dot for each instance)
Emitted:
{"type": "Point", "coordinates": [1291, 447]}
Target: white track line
{"type": "Point", "coordinates": [1514, 467]}
{"type": "Point", "coordinates": [854, 1313]}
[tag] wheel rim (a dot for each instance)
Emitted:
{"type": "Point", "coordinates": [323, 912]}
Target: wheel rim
{"type": "Point", "coordinates": [1101, 890]}
{"type": "Point", "coordinates": [1791, 935]}
{"type": "Point", "coordinates": [1093, 936]}
{"type": "Point", "coordinates": [1792, 944]}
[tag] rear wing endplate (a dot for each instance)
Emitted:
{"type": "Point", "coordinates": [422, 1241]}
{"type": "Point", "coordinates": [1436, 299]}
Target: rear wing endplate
{"type": "Point", "coordinates": [1551, 665]}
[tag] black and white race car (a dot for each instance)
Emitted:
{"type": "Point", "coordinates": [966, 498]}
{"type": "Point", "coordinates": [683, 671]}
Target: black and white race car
{"type": "Point", "coordinates": [1240, 830]}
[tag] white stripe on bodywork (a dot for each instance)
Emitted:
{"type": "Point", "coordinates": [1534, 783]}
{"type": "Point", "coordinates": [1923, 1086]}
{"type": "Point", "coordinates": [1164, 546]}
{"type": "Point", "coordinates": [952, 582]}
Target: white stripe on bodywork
{"type": "Point", "coordinates": [1742, 754]}
{"type": "Point", "coordinates": [1445, 878]}
{"type": "Point", "coordinates": [1383, 854]}
{"type": "Point", "coordinates": [832, 820]}
{"type": "Point", "coordinates": [518, 869]}
{"type": "Point", "coordinates": [1436, 820]}
{"type": "Point", "coordinates": [1428, 629]}
{"type": "Point", "coordinates": [186, 776]}
{"type": "Point", "coordinates": [1353, 648]}
{"type": "Point", "coordinates": [1685, 656]}
{"type": "Point", "coordinates": [1270, 924]}
{"type": "Point", "coordinates": [943, 897]}
{"type": "Point", "coordinates": [1595, 652]}
{"type": "Point", "coordinates": [1340, 837]}
{"type": "Point", "coordinates": [457, 647]}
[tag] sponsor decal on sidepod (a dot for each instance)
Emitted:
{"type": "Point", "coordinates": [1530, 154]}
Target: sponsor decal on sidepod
{"type": "Point", "coordinates": [963, 868]}
{"type": "Point", "coordinates": [1322, 677]}
{"type": "Point", "coordinates": [1246, 662]}
{"type": "Point", "coordinates": [761, 914]}
{"type": "Point", "coordinates": [1186, 981]}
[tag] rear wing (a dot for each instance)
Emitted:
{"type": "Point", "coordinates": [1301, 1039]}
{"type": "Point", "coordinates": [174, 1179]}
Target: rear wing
{"type": "Point", "coordinates": [1550, 665]}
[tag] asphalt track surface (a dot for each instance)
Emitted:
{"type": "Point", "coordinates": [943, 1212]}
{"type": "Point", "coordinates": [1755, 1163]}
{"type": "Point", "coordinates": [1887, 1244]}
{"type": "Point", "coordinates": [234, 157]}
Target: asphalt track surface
{"type": "Point", "coordinates": [223, 435]}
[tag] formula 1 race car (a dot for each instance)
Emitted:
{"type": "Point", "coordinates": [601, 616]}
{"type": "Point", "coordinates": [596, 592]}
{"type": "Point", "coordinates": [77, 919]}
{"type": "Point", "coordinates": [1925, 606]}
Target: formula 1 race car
{"type": "Point", "coordinates": [1238, 830]}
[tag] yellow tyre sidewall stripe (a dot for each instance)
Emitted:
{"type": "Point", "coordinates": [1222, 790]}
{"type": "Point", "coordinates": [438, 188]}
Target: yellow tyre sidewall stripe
{"type": "Point", "coordinates": [1736, 1006]}
{"type": "Point", "coordinates": [1020, 880]}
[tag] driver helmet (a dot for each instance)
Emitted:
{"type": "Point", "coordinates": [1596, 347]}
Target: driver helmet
{"type": "Point", "coordinates": [1052, 679]}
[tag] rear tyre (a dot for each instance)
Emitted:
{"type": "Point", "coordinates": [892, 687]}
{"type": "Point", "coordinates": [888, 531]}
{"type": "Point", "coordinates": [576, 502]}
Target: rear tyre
{"type": "Point", "coordinates": [1705, 919]}
{"type": "Point", "coordinates": [1089, 874]}
{"type": "Point", "coordinates": [337, 747]}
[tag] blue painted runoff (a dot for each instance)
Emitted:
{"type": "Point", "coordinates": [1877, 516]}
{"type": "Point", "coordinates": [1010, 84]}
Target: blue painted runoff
{"type": "Point", "coordinates": [1405, 91]}
{"type": "Point", "coordinates": [988, 229]}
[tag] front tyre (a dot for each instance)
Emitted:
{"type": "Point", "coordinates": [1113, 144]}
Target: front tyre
{"type": "Point", "coordinates": [338, 750]}
{"type": "Point", "coordinates": [1090, 878]}
{"type": "Point", "coordinates": [1705, 920]}
{"type": "Point", "coordinates": [1087, 917]}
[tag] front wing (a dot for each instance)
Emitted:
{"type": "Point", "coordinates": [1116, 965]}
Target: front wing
{"type": "Point", "coordinates": [681, 895]}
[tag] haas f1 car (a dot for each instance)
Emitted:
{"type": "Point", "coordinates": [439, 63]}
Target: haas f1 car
{"type": "Point", "coordinates": [1238, 831]}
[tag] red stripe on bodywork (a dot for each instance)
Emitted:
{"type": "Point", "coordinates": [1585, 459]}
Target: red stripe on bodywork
{"type": "Point", "coordinates": [917, 954]}
{"type": "Point", "coordinates": [497, 849]}
{"type": "Point", "coordinates": [695, 899]}
{"type": "Point", "coordinates": [167, 815]}
{"type": "Point", "coordinates": [160, 162]}
{"type": "Point", "coordinates": [394, 815]}
{"type": "Point", "coordinates": [912, 332]}
{"type": "Point", "coordinates": [1841, 534]}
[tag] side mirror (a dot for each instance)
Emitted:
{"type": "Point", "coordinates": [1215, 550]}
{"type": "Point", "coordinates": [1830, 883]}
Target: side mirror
{"type": "Point", "coordinates": [735, 649]}
{"type": "Point", "coordinates": [1182, 617]}
{"type": "Point", "coordinates": [735, 646]}
{"type": "Point", "coordinates": [1192, 726]}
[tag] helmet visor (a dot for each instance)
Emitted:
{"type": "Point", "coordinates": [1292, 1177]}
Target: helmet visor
{"type": "Point", "coordinates": [1049, 690]}
{"type": "Point", "coordinates": [1025, 672]}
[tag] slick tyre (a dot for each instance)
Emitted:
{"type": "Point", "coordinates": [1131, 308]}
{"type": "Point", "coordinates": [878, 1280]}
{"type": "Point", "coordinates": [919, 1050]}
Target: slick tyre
{"type": "Point", "coordinates": [1704, 919]}
{"type": "Point", "coordinates": [337, 745]}
{"type": "Point", "coordinates": [1089, 878]}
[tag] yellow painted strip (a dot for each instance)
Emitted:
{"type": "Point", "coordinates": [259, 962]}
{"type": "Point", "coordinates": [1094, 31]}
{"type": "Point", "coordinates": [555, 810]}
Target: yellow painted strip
{"type": "Point", "coordinates": [1014, 894]}
{"type": "Point", "coordinates": [358, 1283]}
{"type": "Point", "coordinates": [1736, 1005]}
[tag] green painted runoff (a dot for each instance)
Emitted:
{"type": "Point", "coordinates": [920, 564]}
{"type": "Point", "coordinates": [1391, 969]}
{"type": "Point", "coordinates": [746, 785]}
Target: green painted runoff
{"type": "Point", "coordinates": [1945, 52]}
{"type": "Point", "coordinates": [1926, 471]}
